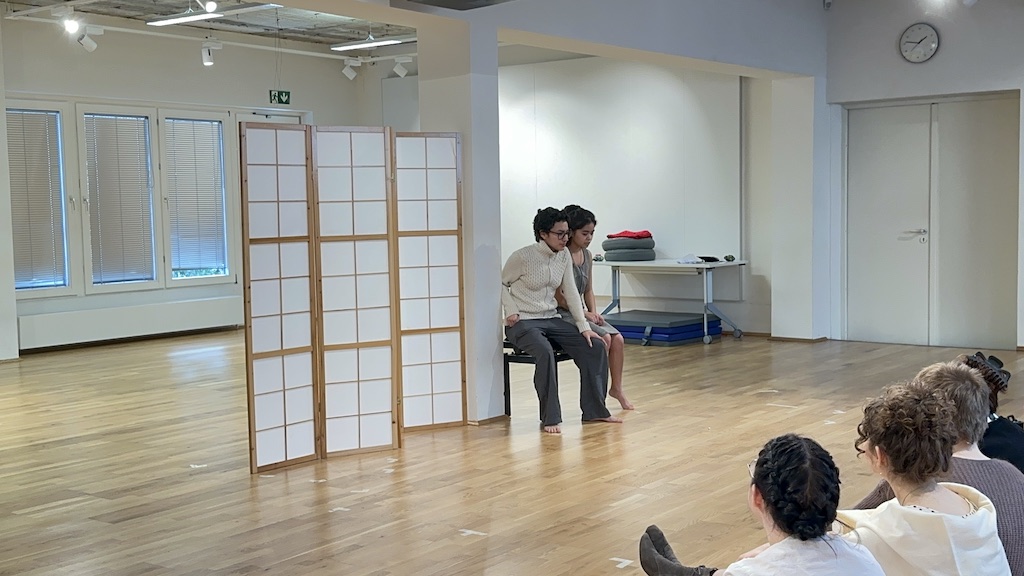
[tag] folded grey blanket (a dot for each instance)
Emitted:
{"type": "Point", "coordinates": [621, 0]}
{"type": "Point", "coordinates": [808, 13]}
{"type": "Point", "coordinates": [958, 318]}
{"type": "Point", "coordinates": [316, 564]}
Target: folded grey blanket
{"type": "Point", "coordinates": [629, 255]}
{"type": "Point", "coordinates": [627, 243]}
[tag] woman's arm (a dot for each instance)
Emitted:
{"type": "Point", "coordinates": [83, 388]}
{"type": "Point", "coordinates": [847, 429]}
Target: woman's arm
{"type": "Point", "coordinates": [572, 298]}
{"type": "Point", "coordinates": [590, 303]}
{"type": "Point", "coordinates": [513, 271]}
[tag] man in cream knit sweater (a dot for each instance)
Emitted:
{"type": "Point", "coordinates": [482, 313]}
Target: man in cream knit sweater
{"type": "Point", "coordinates": [530, 278]}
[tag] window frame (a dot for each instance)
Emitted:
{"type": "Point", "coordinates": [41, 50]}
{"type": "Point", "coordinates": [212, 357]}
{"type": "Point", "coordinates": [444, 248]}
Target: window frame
{"type": "Point", "coordinates": [228, 136]}
{"type": "Point", "coordinates": [72, 200]}
{"type": "Point", "coordinates": [159, 248]}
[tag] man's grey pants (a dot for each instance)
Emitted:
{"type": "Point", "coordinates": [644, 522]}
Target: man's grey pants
{"type": "Point", "coordinates": [531, 336]}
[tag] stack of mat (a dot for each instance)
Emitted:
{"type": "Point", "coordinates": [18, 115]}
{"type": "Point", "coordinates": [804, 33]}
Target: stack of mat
{"type": "Point", "coordinates": [649, 328]}
{"type": "Point", "coordinates": [629, 246]}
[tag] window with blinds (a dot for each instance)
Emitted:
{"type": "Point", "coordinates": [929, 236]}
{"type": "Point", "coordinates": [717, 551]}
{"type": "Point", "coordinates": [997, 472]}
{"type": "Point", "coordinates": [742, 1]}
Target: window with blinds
{"type": "Point", "coordinates": [119, 198]}
{"type": "Point", "coordinates": [37, 199]}
{"type": "Point", "coordinates": [194, 151]}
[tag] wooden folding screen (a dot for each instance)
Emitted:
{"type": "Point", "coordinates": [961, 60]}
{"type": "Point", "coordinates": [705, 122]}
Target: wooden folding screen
{"type": "Point", "coordinates": [353, 288]}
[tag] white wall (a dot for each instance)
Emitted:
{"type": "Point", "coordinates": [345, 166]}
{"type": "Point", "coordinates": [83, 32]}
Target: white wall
{"type": "Point", "coordinates": [42, 63]}
{"type": "Point", "coordinates": [8, 308]}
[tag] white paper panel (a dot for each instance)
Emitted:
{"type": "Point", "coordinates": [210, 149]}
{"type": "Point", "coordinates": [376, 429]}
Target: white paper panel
{"type": "Point", "coordinates": [447, 408]}
{"type": "Point", "coordinates": [415, 314]}
{"type": "Point", "coordinates": [442, 185]}
{"type": "Point", "coordinates": [264, 262]}
{"type": "Point", "coordinates": [412, 216]}
{"type": "Point", "coordinates": [445, 347]}
{"type": "Point", "coordinates": [375, 396]}
{"type": "Point", "coordinates": [263, 220]}
{"type": "Point", "coordinates": [412, 184]}
{"type": "Point", "coordinates": [260, 146]}
{"type": "Point", "coordinates": [447, 377]}
{"type": "Point", "coordinates": [414, 283]}
{"type": "Point", "coordinates": [375, 430]}
{"type": "Point", "coordinates": [411, 152]}
{"type": "Point", "coordinates": [336, 219]}
{"type": "Point", "coordinates": [298, 370]}
{"type": "Point", "coordinates": [444, 281]}
{"type": "Point", "coordinates": [373, 290]}
{"type": "Point", "coordinates": [291, 147]}
{"type": "Point", "coordinates": [300, 440]}
{"type": "Point", "coordinates": [412, 252]}
{"type": "Point", "coordinates": [295, 295]}
{"type": "Point", "coordinates": [416, 349]}
{"type": "Point", "coordinates": [269, 410]}
{"type": "Point", "coordinates": [296, 330]}
{"type": "Point", "coordinates": [337, 258]}
{"type": "Point", "coordinates": [442, 214]}
{"type": "Point", "coordinates": [333, 149]}
{"type": "Point", "coordinates": [371, 217]}
{"type": "Point", "coordinates": [441, 153]}
{"type": "Point", "coordinates": [266, 334]}
{"type": "Point", "coordinates": [267, 375]}
{"type": "Point", "coordinates": [340, 327]}
{"type": "Point", "coordinates": [342, 434]}
{"type": "Point", "coordinates": [291, 183]}
{"type": "Point", "coordinates": [298, 404]}
{"type": "Point", "coordinates": [266, 297]}
{"type": "Point", "coordinates": [367, 149]}
{"type": "Point", "coordinates": [444, 312]}
{"type": "Point", "coordinates": [416, 380]}
{"type": "Point", "coordinates": [375, 363]}
{"type": "Point", "coordinates": [374, 324]}
{"type": "Point", "coordinates": [294, 259]}
{"type": "Point", "coordinates": [339, 293]}
{"type": "Point", "coordinates": [444, 250]}
{"type": "Point", "coordinates": [418, 411]}
{"type": "Point", "coordinates": [294, 219]}
{"type": "Point", "coordinates": [341, 366]}
{"type": "Point", "coordinates": [342, 399]}
{"type": "Point", "coordinates": [372, 257]}
{"type": "Point", "coordinates": [262, 182]}
{"type": "Point", "coordinates": [270, 447]}
{"type": "Point", "coordinates": [369, 183]}
{"type": "Point", "coordinates": [334, 184]}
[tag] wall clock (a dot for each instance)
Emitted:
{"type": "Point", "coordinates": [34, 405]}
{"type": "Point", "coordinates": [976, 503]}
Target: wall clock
{"type": "Point", "coordinates": [919, 43]}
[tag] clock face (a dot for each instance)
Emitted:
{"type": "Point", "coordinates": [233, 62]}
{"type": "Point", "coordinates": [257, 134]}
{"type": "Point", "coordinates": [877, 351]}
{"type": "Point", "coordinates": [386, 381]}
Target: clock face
{"type": "Point", "coordinates": [919, 43]}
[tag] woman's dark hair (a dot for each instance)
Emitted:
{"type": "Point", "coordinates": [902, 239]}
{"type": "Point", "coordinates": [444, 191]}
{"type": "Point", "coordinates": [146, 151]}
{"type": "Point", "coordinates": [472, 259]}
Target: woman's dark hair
{"type": "Point", "coordinates": [578, 217]}
{"type": "Point", "coordinates": [799, 483]}
{"type": "Point", "coordinates": [545, 220]}
{"type": "Point", "coordinates": [914, 426]}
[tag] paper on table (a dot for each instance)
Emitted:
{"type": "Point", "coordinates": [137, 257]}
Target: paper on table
{"type": "Point", "coordinates": [689, 259]}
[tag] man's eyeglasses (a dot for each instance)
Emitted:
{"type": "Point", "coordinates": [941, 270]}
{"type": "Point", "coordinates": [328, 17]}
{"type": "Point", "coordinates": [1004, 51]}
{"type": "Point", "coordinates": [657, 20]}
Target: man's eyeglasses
{"type": "Point", "coordinates": [561, 234]}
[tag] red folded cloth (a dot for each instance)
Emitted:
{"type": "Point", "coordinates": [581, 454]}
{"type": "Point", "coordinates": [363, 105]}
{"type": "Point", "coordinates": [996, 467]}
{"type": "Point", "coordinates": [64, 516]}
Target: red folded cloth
{"type": "Point", "coordinates": [631, 234]}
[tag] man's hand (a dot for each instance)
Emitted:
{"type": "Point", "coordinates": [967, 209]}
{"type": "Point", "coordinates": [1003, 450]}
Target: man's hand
{"type": "Point", "coordinates": [511, 320]}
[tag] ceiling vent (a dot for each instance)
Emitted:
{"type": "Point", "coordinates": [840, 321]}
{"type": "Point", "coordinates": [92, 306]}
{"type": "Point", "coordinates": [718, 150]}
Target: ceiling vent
{"type": "Point", "coordinates": [460, 4]}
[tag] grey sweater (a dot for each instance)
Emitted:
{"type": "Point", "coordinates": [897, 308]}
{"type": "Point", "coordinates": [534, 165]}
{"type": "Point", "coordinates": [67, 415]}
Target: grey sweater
{"type": "Point", "coordinates": [997, 479]}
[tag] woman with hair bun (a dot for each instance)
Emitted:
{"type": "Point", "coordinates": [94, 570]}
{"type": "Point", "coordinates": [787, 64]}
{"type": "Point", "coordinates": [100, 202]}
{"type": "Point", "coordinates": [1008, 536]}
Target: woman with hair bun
{"type": "Point", "coordinates": [794, 493]}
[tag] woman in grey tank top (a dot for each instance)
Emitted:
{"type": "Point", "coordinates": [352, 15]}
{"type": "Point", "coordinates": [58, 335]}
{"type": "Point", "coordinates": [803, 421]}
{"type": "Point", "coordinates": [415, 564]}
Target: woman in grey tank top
{"type": "Point", "coordinates": [581, 232]}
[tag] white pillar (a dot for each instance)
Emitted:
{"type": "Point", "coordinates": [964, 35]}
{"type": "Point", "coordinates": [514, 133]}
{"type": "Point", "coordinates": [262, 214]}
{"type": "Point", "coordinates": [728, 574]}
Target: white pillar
{"type": "Point", "coordinates": [8, 304]}
{"type": "Point", "coordinates": [458, 92]}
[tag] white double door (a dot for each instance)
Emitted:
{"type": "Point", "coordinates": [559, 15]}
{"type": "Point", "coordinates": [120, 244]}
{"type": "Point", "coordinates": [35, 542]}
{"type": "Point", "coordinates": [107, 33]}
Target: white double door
{"type": "Point", "coordinates": [932, 209]}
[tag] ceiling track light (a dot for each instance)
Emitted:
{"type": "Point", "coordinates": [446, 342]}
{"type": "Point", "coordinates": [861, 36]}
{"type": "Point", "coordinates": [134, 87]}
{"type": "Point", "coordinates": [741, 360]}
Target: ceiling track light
{"type": "Point", "coordinates": [209, 46]}
{"type": "Point", "coordinates": [349, 69]}
{"type": "Point", "coordinates": [85, 38]}
{"type": "Point", "coordinates": [399, 69]}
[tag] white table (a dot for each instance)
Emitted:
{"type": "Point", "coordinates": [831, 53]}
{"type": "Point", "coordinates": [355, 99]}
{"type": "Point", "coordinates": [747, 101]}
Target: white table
{"type": "Point", "coordinates": [672, 266]}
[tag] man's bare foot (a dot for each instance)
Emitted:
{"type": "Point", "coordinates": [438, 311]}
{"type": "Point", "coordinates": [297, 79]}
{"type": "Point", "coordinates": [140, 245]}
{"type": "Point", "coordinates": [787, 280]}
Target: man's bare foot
{"type": "Point", "coordinates": [556, 429]}
{"type": "Point", "coordinates": [623, 401]}
{"type": "Point", "coordinates": [610, 419]}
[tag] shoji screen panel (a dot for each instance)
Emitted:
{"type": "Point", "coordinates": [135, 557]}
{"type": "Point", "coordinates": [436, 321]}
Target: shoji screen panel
{"type": "Point", "coordinates": [357, 288]}
{"type": "Point", "coordinates": [428, 217]}
{"type": "Point", "coordinates": [279, 295]}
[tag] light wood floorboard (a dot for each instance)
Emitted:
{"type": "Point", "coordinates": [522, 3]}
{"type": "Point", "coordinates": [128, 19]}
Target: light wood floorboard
{"type": "Point", "coordinates": [132, 459]}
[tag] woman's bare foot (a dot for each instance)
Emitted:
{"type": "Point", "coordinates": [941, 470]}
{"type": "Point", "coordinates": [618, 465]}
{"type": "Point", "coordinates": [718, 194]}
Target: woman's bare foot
{"type": "Point", "coordinates": [610, 419]}
{"type": "Point", "coordinates": [623, 401]}
{"type": "Point", "coordinates": [556, 429]}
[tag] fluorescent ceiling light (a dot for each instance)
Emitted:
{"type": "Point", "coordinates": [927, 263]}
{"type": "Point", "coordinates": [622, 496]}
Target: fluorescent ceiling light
{"type": "Point", "coordinates": [231, 10]}
{"type": "Point", "coordinates": [371, 42]}
{"type": "Point", "coordinates": [183, 18]}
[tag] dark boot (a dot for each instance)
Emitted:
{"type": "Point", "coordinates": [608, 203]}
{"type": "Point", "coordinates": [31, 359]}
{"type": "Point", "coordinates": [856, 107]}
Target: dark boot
{"type": "Point", "coordinates": [658, 559]}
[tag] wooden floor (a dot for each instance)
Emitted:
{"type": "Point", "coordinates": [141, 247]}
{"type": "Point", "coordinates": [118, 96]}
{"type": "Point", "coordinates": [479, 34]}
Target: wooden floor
{"type": "Point", "coordinates": [132, 459]}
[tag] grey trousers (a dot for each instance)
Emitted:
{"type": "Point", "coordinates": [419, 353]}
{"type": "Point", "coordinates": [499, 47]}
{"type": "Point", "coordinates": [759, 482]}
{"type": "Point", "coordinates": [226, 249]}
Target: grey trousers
{"type": "Point", "coordinates": [531, 336]}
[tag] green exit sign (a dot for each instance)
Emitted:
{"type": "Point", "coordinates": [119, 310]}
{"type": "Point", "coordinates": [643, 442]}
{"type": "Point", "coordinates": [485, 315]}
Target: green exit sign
{"type": "Point", "coordinates": [280, 97]}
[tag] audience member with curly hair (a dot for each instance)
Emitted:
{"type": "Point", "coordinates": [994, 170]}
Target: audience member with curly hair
{"type": "Point", "coordinates": [794, 493]}
{"type": "Point", "coordinates": [996, 479]}
{"type": "Point", "coordinates": [930, 527]}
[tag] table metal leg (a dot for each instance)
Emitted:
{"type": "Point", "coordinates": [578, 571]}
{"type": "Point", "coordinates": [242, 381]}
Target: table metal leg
{"type": "Point", "coordinates": [709, 306]}
{"type": "Point", "coordinates": [615, 292]}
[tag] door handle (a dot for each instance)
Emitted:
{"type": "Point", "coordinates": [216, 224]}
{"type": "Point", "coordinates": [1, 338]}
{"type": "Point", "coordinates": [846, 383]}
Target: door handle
{"type": "Point", "coordinates": [917, 231]}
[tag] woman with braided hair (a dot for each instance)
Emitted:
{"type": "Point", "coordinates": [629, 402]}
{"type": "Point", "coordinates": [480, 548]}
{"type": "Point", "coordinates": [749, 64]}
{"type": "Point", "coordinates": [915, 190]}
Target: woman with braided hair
{"type": "Point", "coordinates": [794, 493]}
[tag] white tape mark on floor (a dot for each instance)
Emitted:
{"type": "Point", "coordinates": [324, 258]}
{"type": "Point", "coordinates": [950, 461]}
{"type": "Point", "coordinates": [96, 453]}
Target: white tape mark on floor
{"type": "Point", "coordinates": [389, 470]}
{"type": "Point", "coordinates": [622, 562]}
{"type": "Point", "coordinates": [767, 391]}
{"type": "Point", "coordinates": [838, 412]}
{"type": "Point", "coordinates": [318, 481]}
{"type": "Point", "coordinates": [266, 475]}
{"type": "Point", "coordinates": [197, 465]}
{"type": "Point", "coordinates": [827, 422]}
{"type": "Point", "coordinates": [361, 491]}
{"type": "Point", "coordinates": [340, 510]}
{"type": "Point", "coordinates": [781, 405]}
{"type": "Point", "coordinates": [472, 532]}
{"type": "Point", "coordinates": [392, 460]}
